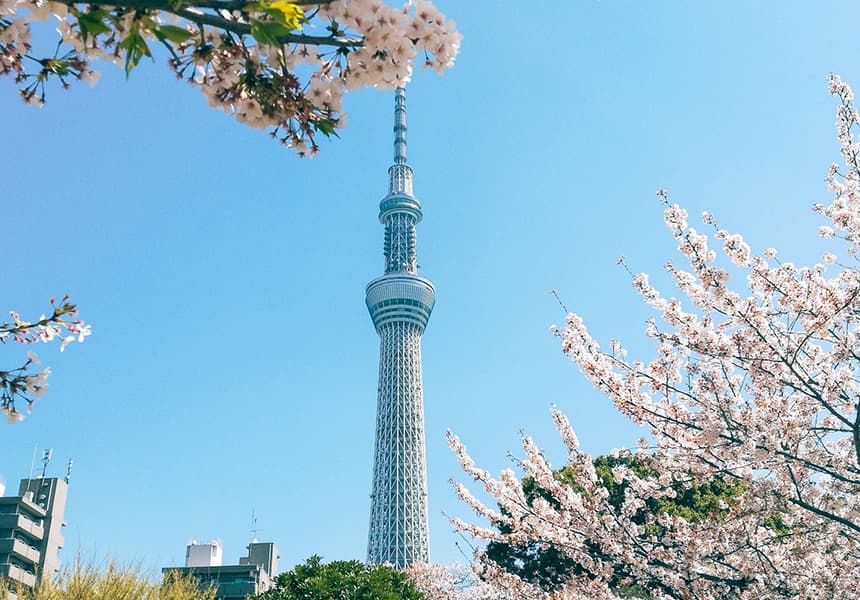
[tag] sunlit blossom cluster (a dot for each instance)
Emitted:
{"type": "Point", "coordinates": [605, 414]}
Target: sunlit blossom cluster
{"type": "Point", "coordinates": [20, 384]}
{"type": "Point", "coordinates": [455, 581]}
{"type": "Point", "coordinates": [754, 383]}
{"type": "Point", "coordinates": [275, 65]}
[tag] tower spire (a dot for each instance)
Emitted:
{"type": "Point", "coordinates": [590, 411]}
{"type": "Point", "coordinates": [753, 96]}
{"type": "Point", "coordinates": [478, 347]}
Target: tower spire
{"type": "Point", "coordinates": [400, 174]}
{"type": "Point", "coordinates": [399, 303]}
{"type": "Point", "coordinates": [400, 126]}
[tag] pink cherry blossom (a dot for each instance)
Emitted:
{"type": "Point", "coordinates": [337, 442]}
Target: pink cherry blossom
{"type": "Point", "coordinates": [257, 64]}
{"type": "Point", "coordinates": [20, 384]}
{"type": "Point", "coordinates": [754, 381]}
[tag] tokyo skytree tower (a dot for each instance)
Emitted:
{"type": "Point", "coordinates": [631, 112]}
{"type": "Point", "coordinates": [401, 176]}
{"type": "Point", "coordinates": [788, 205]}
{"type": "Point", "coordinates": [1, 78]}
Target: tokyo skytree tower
{"type": "Point", "coordinates": [400, 303]}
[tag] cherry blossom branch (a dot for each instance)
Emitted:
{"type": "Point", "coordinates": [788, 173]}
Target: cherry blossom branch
{"type": "Point", "coordinates": [253, 60]}
{"type": "Point", "coordinates": [736, 440]}
{"type": "Point", "coordinates": [186, 10]}
{"type": "Point", "coordinates": [20, 385]}
{"type": "Point", "coordinates": [168, 6]}
{"type": "Point", "coordinates": [240, 28]}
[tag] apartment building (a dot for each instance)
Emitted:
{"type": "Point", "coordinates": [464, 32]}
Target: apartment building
{"type": "Point", "coordinates": [31, 536]}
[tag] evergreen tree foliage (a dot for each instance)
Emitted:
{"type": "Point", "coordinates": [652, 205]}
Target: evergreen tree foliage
{"type": "Point", "coordinates": [341, 580]}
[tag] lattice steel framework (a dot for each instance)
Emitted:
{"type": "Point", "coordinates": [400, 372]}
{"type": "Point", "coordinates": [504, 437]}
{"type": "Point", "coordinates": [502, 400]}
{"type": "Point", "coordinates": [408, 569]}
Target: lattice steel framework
{"type": "Point", "coordinates": [400, 303]}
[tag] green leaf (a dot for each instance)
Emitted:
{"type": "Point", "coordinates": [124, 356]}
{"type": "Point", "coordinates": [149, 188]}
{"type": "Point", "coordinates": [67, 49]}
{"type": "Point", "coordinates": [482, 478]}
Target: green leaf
{"type": "Point", "coordinates": [92, 23]}
{"type": "Point", "coordinates": [135, 48]}
{"type": "Point", "coordinates": [286, 13]}
{"type": "Point", "coordinates": [327, 127]}
{"type": "Point", "coordinates": [172, 33]}
{"type": "Point", "coordinates": [267, 32]}
{"type": "Point", "coordinates": [57, 66]}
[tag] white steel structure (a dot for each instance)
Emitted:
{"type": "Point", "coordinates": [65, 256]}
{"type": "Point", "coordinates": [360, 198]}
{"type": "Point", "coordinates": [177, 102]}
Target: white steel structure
{"type": "Point", "coordinates": [400, 303]}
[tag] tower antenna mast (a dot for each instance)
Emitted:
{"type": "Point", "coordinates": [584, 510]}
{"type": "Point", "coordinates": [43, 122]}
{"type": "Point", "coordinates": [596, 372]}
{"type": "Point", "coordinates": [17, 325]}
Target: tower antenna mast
{"type": "Point", "coordinates": [254, 529]}
{"type": "Point", "coordinates": [46, 458]}
{"type": "Point", "coordinates": [400, 303]}
{"type": "Point", "coordinates": [69, 471]}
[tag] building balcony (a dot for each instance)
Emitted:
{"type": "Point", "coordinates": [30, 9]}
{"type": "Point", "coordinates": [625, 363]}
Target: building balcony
{"type": "Point", "coordinates": [22, 523]}
{"type": "Point", "coordinates": [18, 504]}
{"type": "Point", "coordinates": [237, 590]}
{"type": "Point", "coordinates": [20, 550]}
{"type": "Point", "coordinates": [16, 573]}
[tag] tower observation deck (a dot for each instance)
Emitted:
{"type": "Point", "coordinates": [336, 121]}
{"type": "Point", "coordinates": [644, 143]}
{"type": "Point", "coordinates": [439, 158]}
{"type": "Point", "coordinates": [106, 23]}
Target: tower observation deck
{"type": "Point", "coordinates": [400, 303]}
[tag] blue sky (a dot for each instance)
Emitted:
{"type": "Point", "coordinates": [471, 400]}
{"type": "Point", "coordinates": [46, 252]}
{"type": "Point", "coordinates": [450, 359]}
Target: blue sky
{"type": "Point", "coordinates": [232, 365]}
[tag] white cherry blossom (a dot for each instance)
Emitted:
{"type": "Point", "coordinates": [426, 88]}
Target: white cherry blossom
{"type": "Point", "coordinates": [754, 384]}
{"type": "Point", "coordinates": [267, 63]}
{"type": "Point", "coordinates": [21, 384]}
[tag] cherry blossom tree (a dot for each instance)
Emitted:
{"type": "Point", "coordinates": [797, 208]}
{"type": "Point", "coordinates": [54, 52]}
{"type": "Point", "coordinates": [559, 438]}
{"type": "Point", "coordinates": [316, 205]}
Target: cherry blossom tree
{"type": "Point", "coordinates": [22, 384]}
{"type": "Point", "coordinates": [281, 65]}
{"type": "Point", "coordinates": [549, 568]}
{"type": "Point", "coordinates": [455, 581]}
{"type": "Point", "coordinates": [756, 387]}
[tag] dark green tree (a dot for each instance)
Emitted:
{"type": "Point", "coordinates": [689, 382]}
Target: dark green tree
{"type": "Point", "coordinates": [549, 567]}
{"type": "Point", "coordinates": [341, 580]}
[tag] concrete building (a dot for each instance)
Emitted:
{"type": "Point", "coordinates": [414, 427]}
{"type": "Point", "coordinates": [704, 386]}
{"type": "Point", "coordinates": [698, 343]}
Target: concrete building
{"type": "Point", "coordinates": [264, 554]}
{"type": "Point", "coordinates": [31, 535]}
{"type": "Point", "coordinates": [254, 574]}
{"type": "Point", "coordinates": [204, 555]}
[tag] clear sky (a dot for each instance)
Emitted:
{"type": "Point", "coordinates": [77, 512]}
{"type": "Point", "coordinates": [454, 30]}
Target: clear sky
{"type": "Point", "coordinates": [233, 366]}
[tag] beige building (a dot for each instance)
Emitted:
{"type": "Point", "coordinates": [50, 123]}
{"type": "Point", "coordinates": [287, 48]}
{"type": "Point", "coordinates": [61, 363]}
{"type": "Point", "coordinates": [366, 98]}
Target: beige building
{"type": "Point", "coordinates": [31, 536]}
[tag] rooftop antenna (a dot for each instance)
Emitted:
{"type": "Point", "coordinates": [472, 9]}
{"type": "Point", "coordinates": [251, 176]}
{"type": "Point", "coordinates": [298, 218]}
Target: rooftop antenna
{"type": "Point", "coordinates": [44, 486]}
{"type": "Point", "coordinates": [69, 471]}
{"type": "Point", "coordinates": [33, 461]}
{"type": "Point", "coordinates": [254, 529]}
{"type": "Point", "coordinates": [46, 458]}
{"type": "Point", "coordinates": [32, 468]}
